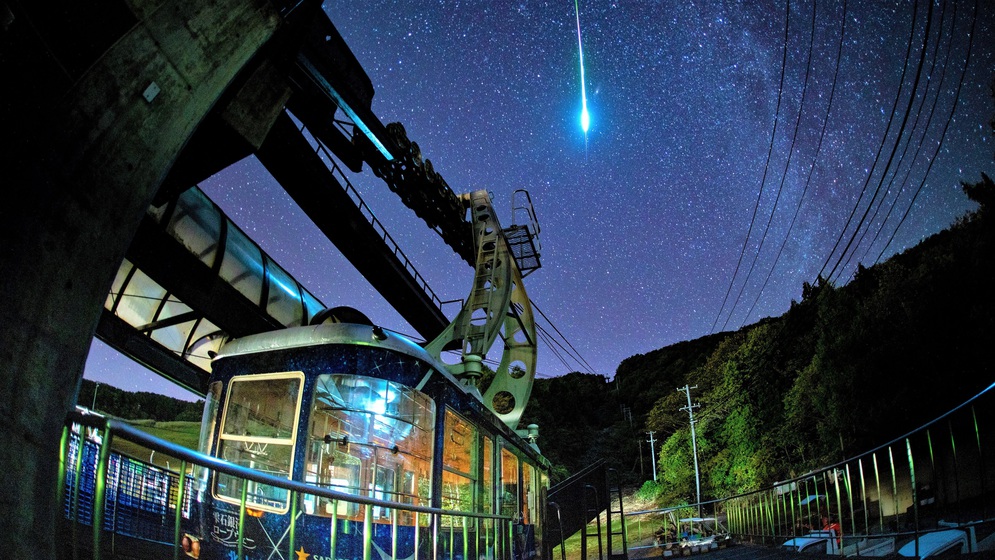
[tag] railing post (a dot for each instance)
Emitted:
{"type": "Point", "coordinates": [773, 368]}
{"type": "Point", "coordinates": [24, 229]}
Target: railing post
{"type": "Point", "coordinates": [60, 488]}
{"type": "Point", "coordinates": [894, 484]}
{"type": "Point", "coordinates": [849, 493]}
{"type": "Point", "coordinates": [367, 532]}
{"type": "Point", "coordinates": [839, 511]}
{"type": "Point", "coordinates": [393, 534]}
{"type": "Point", "coordinates": [240, 548]}
{"type": "Point", "coordinates": [417, 534]}
{"type": "Point", "coordinates": [953, 452]}
{"type": "Point", "coordinates": [74, 510]}
{"type": "Point", "coordinates": [768, 516]}
{"type": "Point", "coordinates": [178, 518]}
{"type": "Point", "coordinates": [863, 495]}
{"type": "Point", "coordinates": [452, 537]}
{"type": "Point", "coordinates": [99, 490]}
{"type": "Point", "coordinates": [466, 538]}
{"type": "Point", "coordinates": [435, 536]}
{"type": "Point", "coordinates": [559, 531]}
{"type": "Point", "coordinates": [877, 482]}
{"type": "Point", "coordinates": [332, 538]}
{"type": "Point", "coordinates": [292, 530]}
{"type": "Point", "coordinates": [793, 495]}
{"type": "Point", "coordinates": [915, 495]}
{"type": "Point", "coordinates": [982, 475]}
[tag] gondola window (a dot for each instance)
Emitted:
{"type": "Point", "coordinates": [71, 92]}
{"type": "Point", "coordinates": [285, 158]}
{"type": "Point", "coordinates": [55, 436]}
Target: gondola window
{"type": "Point", "coordinates": [369, 437]}
{"type": "Point", "coordinates": [258, 431]}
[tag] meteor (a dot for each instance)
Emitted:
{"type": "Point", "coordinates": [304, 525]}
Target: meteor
{"type": "Point", "coordinates": [585, 117]}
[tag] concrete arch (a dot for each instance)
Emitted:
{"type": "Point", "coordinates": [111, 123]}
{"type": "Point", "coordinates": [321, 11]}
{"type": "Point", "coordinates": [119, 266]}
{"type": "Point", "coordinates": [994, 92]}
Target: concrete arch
{"type": "Point", "coordinates": [87, 145]}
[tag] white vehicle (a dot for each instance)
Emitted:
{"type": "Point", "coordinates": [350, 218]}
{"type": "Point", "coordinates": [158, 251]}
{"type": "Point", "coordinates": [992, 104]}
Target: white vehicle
{"type": "Point", "coordinates": [880, 546]}
{"type": "Point", "coordinates": [955, 538]}
{"type": "Point", "coordinates": [938, 542]}
{"type": "Point", "coordinates": [820, 542]}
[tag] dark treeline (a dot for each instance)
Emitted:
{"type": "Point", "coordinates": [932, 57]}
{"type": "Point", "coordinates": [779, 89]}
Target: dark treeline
{"type": "Point", "coordinates": [843, 370]}
{"type": "Point", "coordinates": [137, 406]}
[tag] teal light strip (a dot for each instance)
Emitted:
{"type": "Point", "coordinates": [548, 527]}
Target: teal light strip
{"type": "Point", "coordinates": [349, 111]}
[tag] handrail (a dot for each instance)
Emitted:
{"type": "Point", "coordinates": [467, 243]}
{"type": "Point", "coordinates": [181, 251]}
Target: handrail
{"type": "Point", "coordinates": [118, 427]}
{"type": "Point", "coordinates": [559, 525]}
{"type": "Point", "coordinates": [370, 216]}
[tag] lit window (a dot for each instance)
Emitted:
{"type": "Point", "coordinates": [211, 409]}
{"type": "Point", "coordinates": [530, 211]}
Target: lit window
{"type": "Point", "coordinates": [258, 431]}
{"type": "Point", "coordinates": [369, 437]}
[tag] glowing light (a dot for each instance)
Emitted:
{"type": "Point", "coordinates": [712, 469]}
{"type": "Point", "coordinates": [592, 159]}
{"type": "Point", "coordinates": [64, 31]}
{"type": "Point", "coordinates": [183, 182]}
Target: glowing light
{"type": "Point", "coordinates": [585, 117]}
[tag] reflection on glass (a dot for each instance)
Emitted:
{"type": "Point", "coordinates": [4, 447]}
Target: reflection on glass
{"type": "Point", "coordinates": [487, 486]}
{"type": "Point", "coordinates": [196, 223]}
{"type": "Point", "coordinates": [140, 300]}
{"type": "Point", "coordinates": [369, 437]}
{"type": "Point", "coordinates": [122, 274]}
{"type": "Point", "coordinates": [242, 266]}
{"type": "Point", "coordinates": [283, 296]}
{"type": "Point", "coordinates": [173, 337]}
{"type": "Point", "coordinates": [459, 464]}
{"type": "Point", "coordinates": [208, 421]}
{"type": "Point", "coordinates": [509, 483]}
{"type": "Point", "coordinates": [311, 304]}
{"type": "Point", "coordinates": [257, 431]}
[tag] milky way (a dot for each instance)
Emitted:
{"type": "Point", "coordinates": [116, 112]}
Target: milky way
{"type": "Point", "coordinates": [645, 218]}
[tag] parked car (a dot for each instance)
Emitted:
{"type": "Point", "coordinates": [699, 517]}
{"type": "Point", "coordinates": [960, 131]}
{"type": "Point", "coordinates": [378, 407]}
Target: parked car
{"type": "Point", "coordinates": [821, 542]}
{"type": "Point", "coordinates": [936, 543]}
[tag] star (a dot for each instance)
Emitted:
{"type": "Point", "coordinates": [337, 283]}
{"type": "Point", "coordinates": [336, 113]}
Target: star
{"type": "Point", "coordinates": [301, 555]}
{"type": "Point", "coordinates": [685, 98]}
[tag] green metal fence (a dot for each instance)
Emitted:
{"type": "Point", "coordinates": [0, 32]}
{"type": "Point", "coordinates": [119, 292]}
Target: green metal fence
{"type": "Point", "coordinates": [937, 478]}
{"type": "Point", "coordinates": [118, 506]}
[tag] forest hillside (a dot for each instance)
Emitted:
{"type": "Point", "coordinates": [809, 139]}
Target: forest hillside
{"type": "Point", "coordinates": [844, 369]}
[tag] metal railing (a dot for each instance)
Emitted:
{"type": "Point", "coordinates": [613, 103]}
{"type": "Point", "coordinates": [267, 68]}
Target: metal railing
{"type": "Point", "coordinates": [124, 500]}
{"type": "Point", "coordinates": [938, 477]}
{"type": "Point", "coordinates": [326, 156]}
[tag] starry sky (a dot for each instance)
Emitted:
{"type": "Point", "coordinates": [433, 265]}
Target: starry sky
{"type": "Point", "coordinates": [735, 150]}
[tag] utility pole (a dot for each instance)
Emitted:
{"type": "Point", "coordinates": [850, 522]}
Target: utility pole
{"type": "Point", "coordinates": [93, 405]}
{"type": "Point", "coordinates": [694, 444]}
{"type": "Point", "coordinates": [626, 413]}
{"type": "Point", "coordinates": [652, 453]}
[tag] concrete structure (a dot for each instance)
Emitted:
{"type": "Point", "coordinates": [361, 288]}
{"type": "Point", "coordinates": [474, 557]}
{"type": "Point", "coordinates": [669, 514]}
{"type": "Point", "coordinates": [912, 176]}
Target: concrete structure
{"type": "Point", "coordinates": [112, 106]}
{"type": "Point", "coordinates": [99, 100]}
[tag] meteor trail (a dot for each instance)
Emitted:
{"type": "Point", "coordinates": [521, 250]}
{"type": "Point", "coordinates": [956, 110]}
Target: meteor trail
{"type": "Point", "coordinates": [585, 117]}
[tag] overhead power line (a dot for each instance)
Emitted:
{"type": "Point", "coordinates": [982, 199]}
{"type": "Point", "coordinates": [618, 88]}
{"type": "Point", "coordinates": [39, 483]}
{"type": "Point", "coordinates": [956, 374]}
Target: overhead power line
{"type": "Point", "coordinates": [901, 130]}
{"type": "Point", "coordinates": [770, 150]}
{"type": "Point", "coordinates": [784, 174]}
{"type": "Point", "coordinates": [922, 137]}
{"type": "Point", "coordinates": [580, 359]}
{"type": "Point", "coordinates": [811, 168]}
{"type": "Point", "coordinates": [943, 135]}
{"type": "Point", "coordinates": [905, 151]}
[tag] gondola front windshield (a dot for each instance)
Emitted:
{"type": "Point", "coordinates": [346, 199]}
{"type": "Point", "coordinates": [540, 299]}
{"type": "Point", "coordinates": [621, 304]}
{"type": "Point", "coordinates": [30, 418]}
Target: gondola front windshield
{"type": "Point", "coordinates": [257, 431]}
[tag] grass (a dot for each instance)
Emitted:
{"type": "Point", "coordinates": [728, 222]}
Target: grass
{"type": "Point", "coordinates": [639, 529]}
{"type": "Point", "coordinates": [186, 434]}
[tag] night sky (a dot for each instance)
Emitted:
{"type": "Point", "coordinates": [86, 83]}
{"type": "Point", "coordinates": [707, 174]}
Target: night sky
{"type": "Point", "coordinates": [697, 137]}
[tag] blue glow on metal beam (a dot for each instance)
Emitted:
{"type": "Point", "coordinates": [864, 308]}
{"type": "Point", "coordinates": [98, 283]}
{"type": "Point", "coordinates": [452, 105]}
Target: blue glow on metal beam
{"type": "Point", "coordinates": [348, 110]}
